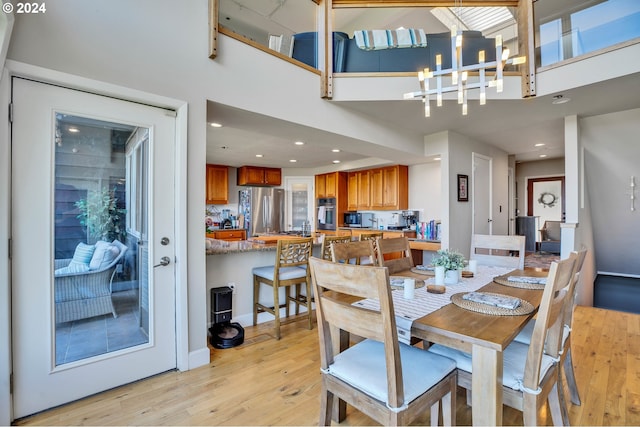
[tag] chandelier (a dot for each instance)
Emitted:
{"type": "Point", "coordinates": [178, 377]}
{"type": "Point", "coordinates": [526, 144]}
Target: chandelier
{"type": "Point", "coordinates": [431, 80]}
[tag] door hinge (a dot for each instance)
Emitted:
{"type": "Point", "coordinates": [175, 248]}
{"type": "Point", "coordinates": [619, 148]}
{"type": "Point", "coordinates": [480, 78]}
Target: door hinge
{"type": "Point", "coordinates": [11, 112]}
{"type": "Point", "coordinates": [11, 383]}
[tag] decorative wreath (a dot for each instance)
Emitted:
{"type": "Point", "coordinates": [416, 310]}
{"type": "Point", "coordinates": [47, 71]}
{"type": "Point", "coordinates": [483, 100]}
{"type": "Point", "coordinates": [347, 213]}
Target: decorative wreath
{"type": "Point", "coordinates": [548, 199]}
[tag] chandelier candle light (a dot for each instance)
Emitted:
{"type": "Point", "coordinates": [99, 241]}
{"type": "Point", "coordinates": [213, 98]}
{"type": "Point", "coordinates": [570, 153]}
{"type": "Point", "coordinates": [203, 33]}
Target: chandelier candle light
{"type": "Point", "coordinates": [459, 75]}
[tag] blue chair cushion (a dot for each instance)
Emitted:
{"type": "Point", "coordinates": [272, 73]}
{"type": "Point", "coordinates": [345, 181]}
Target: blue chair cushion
{"type": "Point", "coordinates": [514, 362]}
{"type": "Point", "coordinates": [104, 255]}
{"type": "Point", "coordinates": [286, 273]}
{"type": "Point", "coordinates": [364, 367]}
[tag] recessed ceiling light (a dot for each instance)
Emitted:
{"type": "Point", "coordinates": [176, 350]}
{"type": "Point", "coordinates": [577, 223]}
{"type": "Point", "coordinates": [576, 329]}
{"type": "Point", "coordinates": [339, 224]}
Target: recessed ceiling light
{"type": "Point", "coordinates": [543, 155]}
{"type": "Point", "coordinates": [539, 144]}
{"type": "Point", "coordinates": [560, 99]}
{"type": "Point", "coordinates": [437, 158]}
{"type": "Point", "coordinates": [299, 143]}
{"type": "Point", "coordinates": [335, 150]}
{"type": "Point", "coordinates": [259, 155]}
{"type": "Point", "coordinates": [292, 160]}
{"type": "Point", "coordinates": [215, 125]}
{"type": "Point", "coordinates": [336, 161]}
{"type": "Point", "coordinates": [74, 130]}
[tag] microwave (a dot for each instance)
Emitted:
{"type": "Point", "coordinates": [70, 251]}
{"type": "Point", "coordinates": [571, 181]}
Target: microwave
{"type": "Point", "coordinates": [358, 220]}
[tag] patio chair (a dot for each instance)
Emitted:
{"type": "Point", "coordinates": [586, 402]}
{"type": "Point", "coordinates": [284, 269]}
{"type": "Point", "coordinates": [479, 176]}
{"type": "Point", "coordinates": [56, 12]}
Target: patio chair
{"type": "Point", "coordinates": [83, 294]}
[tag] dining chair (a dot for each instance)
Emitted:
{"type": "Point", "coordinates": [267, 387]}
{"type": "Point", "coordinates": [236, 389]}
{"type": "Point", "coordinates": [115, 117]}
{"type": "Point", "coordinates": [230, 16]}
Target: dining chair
{"type": "Point", "coordinates": [530, 372]}
{"type": "Point", "coordinates": [498, 250]}
{"type": "Point", "coordinates": [357, 252]}
{"type": "Point", "coordinates": [373, 236]}
{"type": "Point", "coordinates": [397, 252]}
{"type": "Point", "coordinates": [389, 381]}
{"type": "Point", "coordinates": [290, 269]}
{"type": "Point", "coordinates": [325, 249]}
{"type": "Point", "coordinates": [566, 361]}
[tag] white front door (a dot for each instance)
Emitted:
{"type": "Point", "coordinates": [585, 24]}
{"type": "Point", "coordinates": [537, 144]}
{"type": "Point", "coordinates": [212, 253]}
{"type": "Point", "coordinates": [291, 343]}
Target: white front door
{"type": "Point", "coordinates": [482, 194]}
{"type": "Point", "coordinates": [92, 182]}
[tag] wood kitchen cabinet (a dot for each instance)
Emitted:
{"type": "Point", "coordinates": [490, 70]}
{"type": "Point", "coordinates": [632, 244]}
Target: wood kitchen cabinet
{"type": "Point", "coordinates": [255, 175]}
{"type": "Point", "coordinates": [359, 193]}
{"type": "Point", "coordinates": [389, 188]}
{"type": "Point", "coordinates": [217, 180]}
{"type": "Point", "coordinates": [329, 184]}
{"type": "Point", "coordinates": [229, 235]}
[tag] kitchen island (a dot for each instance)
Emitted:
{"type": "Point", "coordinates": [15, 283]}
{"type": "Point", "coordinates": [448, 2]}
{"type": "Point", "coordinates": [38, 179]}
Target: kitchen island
{"type": "Point", "coordinates": [230, 264]}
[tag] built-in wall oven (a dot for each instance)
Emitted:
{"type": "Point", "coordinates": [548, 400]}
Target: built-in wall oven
{"type": "Point", "coordinates": [326, 214]}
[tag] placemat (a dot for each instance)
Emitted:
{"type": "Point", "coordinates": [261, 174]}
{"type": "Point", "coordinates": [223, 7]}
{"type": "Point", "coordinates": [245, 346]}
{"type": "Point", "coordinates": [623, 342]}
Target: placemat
{"type": "Point", "coordinates": [425, 272]}
{"type": "Point", "coordinates": [418, 283]}
{"type": "Point", "coordinates": [502, 280]}
{"type": "Point", "coordinates": [524, 308]}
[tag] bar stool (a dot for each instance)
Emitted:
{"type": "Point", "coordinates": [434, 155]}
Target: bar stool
{"type": "Point", "coordinates": [291, 269]}
{"type": "Point", "coordinates": [373, 236]}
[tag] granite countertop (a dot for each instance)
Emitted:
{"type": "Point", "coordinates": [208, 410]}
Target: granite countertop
{"type": "Point", "coordinates": [220, 247]}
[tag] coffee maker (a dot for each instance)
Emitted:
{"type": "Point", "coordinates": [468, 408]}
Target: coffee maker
{"type": "Point", "coordinates": [411, 218]}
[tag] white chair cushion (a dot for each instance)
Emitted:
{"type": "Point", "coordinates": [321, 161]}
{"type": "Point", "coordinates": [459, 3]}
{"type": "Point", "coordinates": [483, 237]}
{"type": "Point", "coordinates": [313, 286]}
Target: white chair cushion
{"type": "Point", "coordinates": [83, 254]}
{"type": "Point", "coordinates": [286, 273]}
{"type": "Point", "coordinates": [364, 366]}
{"type": "Point", "coordinates": [514, 361]}
{"type": "Point", "coordinates": [72, 268]}
{"type": "Point", "coordinates": [524, 336]}
{"type": "Point", "coordinates": [104, 255]}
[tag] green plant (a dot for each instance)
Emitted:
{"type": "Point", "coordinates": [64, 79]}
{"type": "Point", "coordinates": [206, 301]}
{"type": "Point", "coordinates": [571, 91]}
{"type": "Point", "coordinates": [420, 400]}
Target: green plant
{"type": "Point", "coordinates": [449, 259]}
{"type": "Point", "coordinates": [101, 215]}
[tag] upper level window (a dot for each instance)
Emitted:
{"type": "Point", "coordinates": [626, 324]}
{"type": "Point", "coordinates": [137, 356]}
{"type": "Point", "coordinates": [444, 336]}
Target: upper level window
{"type": "Point", "coordinates": [590, 26]}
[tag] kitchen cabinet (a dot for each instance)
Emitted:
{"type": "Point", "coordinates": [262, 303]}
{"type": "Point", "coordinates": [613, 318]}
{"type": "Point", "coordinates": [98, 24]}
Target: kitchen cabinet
{"type": "Point", "coordinates": [217, 179]}
{"type": "Point", "coordinates": [330, 185]}
{"type": "Point", "coordinates": [229, 235]}
{"type": "Point", "coordinates": [389, 188]}
{"type": "Point", "coordinates": [259, 176]}
{"type": "Point", "coordinates": [358, 192]}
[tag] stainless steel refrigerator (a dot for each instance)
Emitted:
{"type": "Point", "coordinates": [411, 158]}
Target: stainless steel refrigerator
{"type": "Point", "coordinates": [263, 210]}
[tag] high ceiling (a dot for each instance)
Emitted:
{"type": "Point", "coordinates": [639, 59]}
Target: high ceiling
{"type": "Point", "coordinates": [515, 126]}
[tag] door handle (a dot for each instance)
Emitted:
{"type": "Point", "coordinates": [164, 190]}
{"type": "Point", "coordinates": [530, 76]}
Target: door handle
{"type": "Point", "coordinates": [165, 260]}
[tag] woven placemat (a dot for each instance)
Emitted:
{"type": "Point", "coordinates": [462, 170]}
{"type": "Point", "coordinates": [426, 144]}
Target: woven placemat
{"type": "Point", "coordinates": [502, 280]}
{"type": "Point", "coordinates": [524, 308]}
{"type": "Point", "coordinates": [419, 283]}
{"type": "Point", "coordinates": [425, 272]}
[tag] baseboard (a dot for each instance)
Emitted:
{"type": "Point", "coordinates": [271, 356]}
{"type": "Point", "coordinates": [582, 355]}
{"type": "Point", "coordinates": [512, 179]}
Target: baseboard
{"type": "Point", "coordinates": [199, 357]}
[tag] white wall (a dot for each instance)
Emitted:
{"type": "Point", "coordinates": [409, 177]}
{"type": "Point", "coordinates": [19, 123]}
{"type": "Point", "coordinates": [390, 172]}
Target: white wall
{"type": "Point", "coordinates": [156, 47]}
{"type": "Point", "coordinates": [611, 157]}
{"type": "Point", "coordinates": [425, 188]}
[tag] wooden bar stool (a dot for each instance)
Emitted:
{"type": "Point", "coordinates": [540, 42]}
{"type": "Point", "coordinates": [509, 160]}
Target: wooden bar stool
{"type": "Point", "coordinates": [291, 269]}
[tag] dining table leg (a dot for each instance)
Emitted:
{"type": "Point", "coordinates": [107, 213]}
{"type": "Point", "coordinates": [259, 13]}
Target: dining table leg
{"type": "Point", "coordinates": [486, 386]}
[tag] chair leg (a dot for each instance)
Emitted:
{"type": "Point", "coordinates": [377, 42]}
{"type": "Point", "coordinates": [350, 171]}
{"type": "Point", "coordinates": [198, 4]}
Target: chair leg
{"type": "Point", "coordinates": [309, 314]}
{"type": "Point", "coordinates": [276, 310]}
{"type": "Point", "coordinates": [529, 410]}
{"type": "Point", "coordinates": [297, 298]}
{"type": "Point", "coordinates": [563, 401]}
{"type": "Point", "coordinates": [326, 405]}
{"type": "Point", "coordinates": [571, 378]}
{"type": "Point", "coordinates": [256, 294]}
{"type": "Point", "coordinates": [554, 406]}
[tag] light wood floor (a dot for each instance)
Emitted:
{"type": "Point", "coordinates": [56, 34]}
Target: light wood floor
{"type": "Point", "coordinates": [269, 382]}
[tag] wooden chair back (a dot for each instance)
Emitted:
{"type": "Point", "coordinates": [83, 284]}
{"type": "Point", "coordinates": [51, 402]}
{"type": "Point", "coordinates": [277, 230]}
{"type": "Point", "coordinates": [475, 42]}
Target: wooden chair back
{"type": "Point", "coordinates": [336, 282]}
{"type": "Point", "coordinates": [353, 252]}
{"type": "Point", "coordinates": [293, 252]}
{"type": "Point", "coordinates": [374, 235]}
{"type": "Point", "coordinates": [326, 245]}
{"type": "Point", "coordinates": [573, 288]}
{"type": "Point", "coordinates": [397, 253]}
{"type": "Point", "coordinates": [498, 250]}
{"type": "Point", "coordinates": [547, 332]}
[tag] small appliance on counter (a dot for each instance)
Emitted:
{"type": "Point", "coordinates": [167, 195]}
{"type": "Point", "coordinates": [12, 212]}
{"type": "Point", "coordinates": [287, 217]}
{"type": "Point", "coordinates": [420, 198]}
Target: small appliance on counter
{"type": "Point", "coordinates": [358, 220]}
{"type": "Point", "coordinates": [411, 218]}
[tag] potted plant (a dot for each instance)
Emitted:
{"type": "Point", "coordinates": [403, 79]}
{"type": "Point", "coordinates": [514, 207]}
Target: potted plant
{"type": "Point", "coordinates": [448, 265]}
{"type": "Point", "coordinates": [101, 215]}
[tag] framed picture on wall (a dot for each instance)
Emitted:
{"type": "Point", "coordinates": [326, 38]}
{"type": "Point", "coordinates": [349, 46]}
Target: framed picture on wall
{"type": "Point", "coordinates": [463, 188]}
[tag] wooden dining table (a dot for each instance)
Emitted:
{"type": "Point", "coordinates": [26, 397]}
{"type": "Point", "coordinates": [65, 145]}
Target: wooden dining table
{"type": "Point", "coordinates": [484, 336]}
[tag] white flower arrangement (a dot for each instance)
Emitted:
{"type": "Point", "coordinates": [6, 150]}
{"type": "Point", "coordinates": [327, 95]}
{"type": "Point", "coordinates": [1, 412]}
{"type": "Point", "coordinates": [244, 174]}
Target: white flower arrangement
{"type": "Point", "coordinates": [449, 259]}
